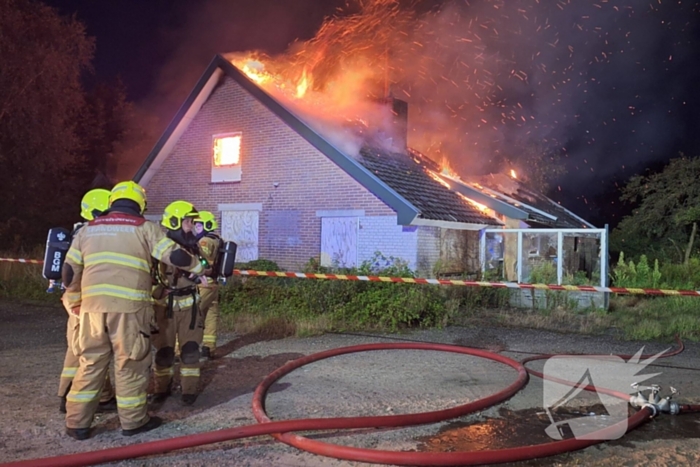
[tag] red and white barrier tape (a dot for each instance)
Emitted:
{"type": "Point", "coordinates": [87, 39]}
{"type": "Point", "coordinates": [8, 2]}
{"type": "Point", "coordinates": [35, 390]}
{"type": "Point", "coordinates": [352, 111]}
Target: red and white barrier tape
{"type": "Point", "coordinates": [22, 260]}
{"type": "Point", "coordinates": [418, 280]}
{"type": "Point", "coordinates": [497, 285]}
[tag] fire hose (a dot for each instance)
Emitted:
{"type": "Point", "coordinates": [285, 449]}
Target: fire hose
{"type": "Point", "coordinates": [281, 430]}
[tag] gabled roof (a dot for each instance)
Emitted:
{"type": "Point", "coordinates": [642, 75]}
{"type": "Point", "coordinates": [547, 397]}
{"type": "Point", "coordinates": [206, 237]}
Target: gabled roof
{"type": "Point", "coordinates": [541, 210]}
{"type": "Point", "coordinates": [410, 177]}
{"type": "Point", "coordinates": [416, 197]}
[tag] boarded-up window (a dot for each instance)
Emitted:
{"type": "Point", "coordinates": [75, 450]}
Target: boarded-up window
{"type": "Point", "coordinates": [283, 229]}
{"type": "Point", "coordinates": [242, 228]}
{"type": "Point", "coordinates": [339, 241]}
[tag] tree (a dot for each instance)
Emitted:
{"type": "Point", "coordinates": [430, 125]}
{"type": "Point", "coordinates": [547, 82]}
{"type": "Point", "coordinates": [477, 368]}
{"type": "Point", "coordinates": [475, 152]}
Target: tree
{"type": "Point", "coordinates": [102, 126]}
{"type": "Point", "coordinates": [54, 136]}
{"type": "Point", "coordinates": [667, 213]}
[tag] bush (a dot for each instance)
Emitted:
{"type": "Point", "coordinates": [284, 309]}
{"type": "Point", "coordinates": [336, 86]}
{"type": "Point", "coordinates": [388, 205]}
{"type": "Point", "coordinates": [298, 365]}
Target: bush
{"type": "Point", "coordinates": [381, 265]}
{"type": "Point", "coordinates": [24, 282]}
{"type": "Point", "coordinates": [259, 265]}
{"type": "Point", "coordinates": [354, 305]}
{"type": "Point", "coordinates": [544, 273]}
{"type": "Point", "coordinates": [682, 276]}
{"type": "Point", "coordinates": [638, 275]}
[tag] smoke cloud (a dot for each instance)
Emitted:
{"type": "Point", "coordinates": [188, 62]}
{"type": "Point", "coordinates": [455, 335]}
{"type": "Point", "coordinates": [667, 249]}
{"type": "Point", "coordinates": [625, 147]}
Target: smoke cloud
{"type": "Point", "coordinates": [607, 85]}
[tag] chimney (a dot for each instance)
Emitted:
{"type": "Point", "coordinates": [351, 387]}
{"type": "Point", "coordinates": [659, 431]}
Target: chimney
{"type": "Point", "coordinates": [399, 110]}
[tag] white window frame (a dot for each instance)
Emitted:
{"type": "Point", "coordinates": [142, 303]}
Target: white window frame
{"type": "Point", "coordinates": [226, 173]}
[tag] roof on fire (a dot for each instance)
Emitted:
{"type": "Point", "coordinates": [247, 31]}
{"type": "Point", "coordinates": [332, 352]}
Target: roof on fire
{"type": "Point", "coordinates": [404, 186]}
{"type": "Point", "coordinates": [408, 175]}
{"type": "Point", "coordinates": [542, 211]}
{"type": "Point", "coordinates": [402, 181]}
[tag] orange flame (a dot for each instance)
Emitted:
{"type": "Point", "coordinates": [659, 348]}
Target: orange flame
{"type": "Point", "coordinates": [513, 174]}
{"type": "Point", "coordinates": [437, 178]}
{"type": "Point", "coordinates": [303, 85]}
{"type": "Point", "coordinates": [447, 169]}
{"type": "Point", "coordinates": [253, 69]}
{"type": "Point", "coordinates": [479, 206]}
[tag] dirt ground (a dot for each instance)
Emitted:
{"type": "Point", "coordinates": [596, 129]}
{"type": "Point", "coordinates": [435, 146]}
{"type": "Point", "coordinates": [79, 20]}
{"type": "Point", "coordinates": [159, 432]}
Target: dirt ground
{"type": "Point", "coordinates": [32, 346]}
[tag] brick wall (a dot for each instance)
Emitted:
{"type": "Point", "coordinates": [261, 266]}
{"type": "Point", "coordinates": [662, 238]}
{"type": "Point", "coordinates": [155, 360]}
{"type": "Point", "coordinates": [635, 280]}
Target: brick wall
{"type": "Point", "coordinates": [381, 233]}
{"type": "Point", "coordinates": [271, 152]}
{"type": "Point", "coordinates": [428, 250]}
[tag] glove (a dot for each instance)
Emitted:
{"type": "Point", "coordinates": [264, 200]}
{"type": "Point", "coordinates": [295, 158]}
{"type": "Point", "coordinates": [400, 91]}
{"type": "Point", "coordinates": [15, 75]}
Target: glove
{"type": "Point", "coordinates": [159, 292]}
{"type": "Point", "coordinates": [75, 310]}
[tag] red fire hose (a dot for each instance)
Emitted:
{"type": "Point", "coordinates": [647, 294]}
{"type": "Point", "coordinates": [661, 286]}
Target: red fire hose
{"type": "Point", "coordinates": [281, 429]}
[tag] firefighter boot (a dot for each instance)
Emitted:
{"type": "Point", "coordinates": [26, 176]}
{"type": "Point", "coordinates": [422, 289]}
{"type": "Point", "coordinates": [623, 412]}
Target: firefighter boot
{"type": "Point", "coordinates": [107, 406]}
{"type": "Point", "coordinates": [188, 399]}
{"type": "Point", "coordinates": [159, 397]}
{"type": "Point", "coordinates": [151, 424]}
{"type": "Point", "coordinates": [78, 433]}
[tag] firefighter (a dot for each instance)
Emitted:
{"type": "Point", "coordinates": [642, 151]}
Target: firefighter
{"type": "Point", "coordinates": [108, 285]}
{"type": "Point", "coordinates": [209, 244]}
{"type": "Point", "coordinates": [93, 204]}
{"type": "Point", "coordinates": [178, 315]}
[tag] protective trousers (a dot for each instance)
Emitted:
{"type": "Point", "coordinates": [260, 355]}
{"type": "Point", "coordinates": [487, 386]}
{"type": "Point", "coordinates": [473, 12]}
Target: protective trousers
{"type": "Point", "coordinates": [186, 325]}
{"type": "Point", "coordinates": [210, 310]}
{"type": "Point", "coordinates": [71, 363]}
{"type": "Point", "coordinates": [101, 336]}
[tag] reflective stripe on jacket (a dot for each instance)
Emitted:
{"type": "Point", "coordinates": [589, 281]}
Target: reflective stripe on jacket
{"type": "Point", "coordinates": [111, 258]}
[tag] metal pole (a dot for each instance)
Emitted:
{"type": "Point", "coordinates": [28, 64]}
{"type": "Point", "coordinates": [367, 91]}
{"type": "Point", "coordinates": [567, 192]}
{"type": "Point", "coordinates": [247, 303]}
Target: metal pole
{"type": "Point", "coordinates": [604, 257]}
{"type": "Point", "coordinates": [604, 265]}
{"type": "Point", "coordinates": [482, 251]}
{"type": "Point", "coordinates": [520, 256]}
{"type": "Point", "coordinates": [560, 257]}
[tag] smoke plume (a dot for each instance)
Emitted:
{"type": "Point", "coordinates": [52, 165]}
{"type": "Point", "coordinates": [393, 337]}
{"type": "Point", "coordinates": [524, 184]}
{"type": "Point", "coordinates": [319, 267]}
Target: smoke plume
{"type": "Point", "coordinates": [607, 85]}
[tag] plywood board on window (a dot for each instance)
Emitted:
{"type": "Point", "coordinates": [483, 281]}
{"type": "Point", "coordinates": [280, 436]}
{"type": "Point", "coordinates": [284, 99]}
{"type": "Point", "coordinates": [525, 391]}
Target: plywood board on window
{"type": "Point", "coordinates": [241, 227]}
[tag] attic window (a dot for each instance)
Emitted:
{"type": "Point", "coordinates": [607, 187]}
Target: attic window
{"type": "Point", "coordinates": [226, 157]}
{"type": "Point", "coordinates": [227, 150]}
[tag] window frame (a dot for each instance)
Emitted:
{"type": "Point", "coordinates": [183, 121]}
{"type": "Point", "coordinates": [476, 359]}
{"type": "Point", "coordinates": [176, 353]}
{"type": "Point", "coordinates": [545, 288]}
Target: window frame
{"type": "Point", "coordinates": [226, 173]}
{"type": "Point", "coordinates": [220, 136]}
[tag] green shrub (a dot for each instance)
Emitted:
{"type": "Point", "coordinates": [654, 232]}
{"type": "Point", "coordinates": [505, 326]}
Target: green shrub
{"type": "Point", "coordinates": [638, 275]}
{"type": "Point", "coordinates": [353, 305]}
{"type": "Point", "coordinates": [25, 282]}
{"type": "Point", "coordinates": [259, 265]}
{"type": "Point", "coordinates": [394, 306]}
{"type": "Point", "coordinates": [681, 276]}
{"type": "Point", "coordinates": [381, 265]}
{"type": "Point", "coordinates": [544, 273]}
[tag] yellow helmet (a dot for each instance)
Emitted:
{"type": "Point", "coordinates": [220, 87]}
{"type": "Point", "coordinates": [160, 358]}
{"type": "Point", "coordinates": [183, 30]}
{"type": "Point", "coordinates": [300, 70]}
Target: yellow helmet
{"type": "Point", "coordinates": [175, 212]}
{"type": "Point", "coordinates": [208, 221]}
{"type": "Point", "coordinates": [94, 200]}
{"type": "Point", "coordinates": [131, 191]}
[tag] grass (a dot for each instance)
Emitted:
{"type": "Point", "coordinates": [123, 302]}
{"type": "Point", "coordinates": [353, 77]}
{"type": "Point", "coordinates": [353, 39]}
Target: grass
{"type": "Point", "coordinates": [279, 308]}
{"type": "Point", "coordinates": [590, 322]}
{"type": "Point", "coordinates": [657, 317]}
{"type": "Point", "coordinates": [24, 282]}
{"type": "Point", "coordinates": [271, 323]}
{"type": "Point", "coordinates": [630, 317]}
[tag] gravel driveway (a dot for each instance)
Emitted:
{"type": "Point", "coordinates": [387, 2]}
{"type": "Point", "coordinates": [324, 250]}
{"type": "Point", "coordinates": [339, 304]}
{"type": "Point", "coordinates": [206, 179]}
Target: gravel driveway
{"type": "Point", "coordinates": [372, 383]}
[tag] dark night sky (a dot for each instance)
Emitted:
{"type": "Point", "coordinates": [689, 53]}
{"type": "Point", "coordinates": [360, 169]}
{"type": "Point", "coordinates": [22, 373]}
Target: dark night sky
{"type": "Point", "coordinates": [136, 39]}
{"type": "Point", "coordinates": [612, 83]}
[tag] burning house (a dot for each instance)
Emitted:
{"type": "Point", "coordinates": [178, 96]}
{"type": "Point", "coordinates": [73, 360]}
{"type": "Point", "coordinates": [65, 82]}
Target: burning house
{"type": "Point", "coordinates": [287, 188]}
